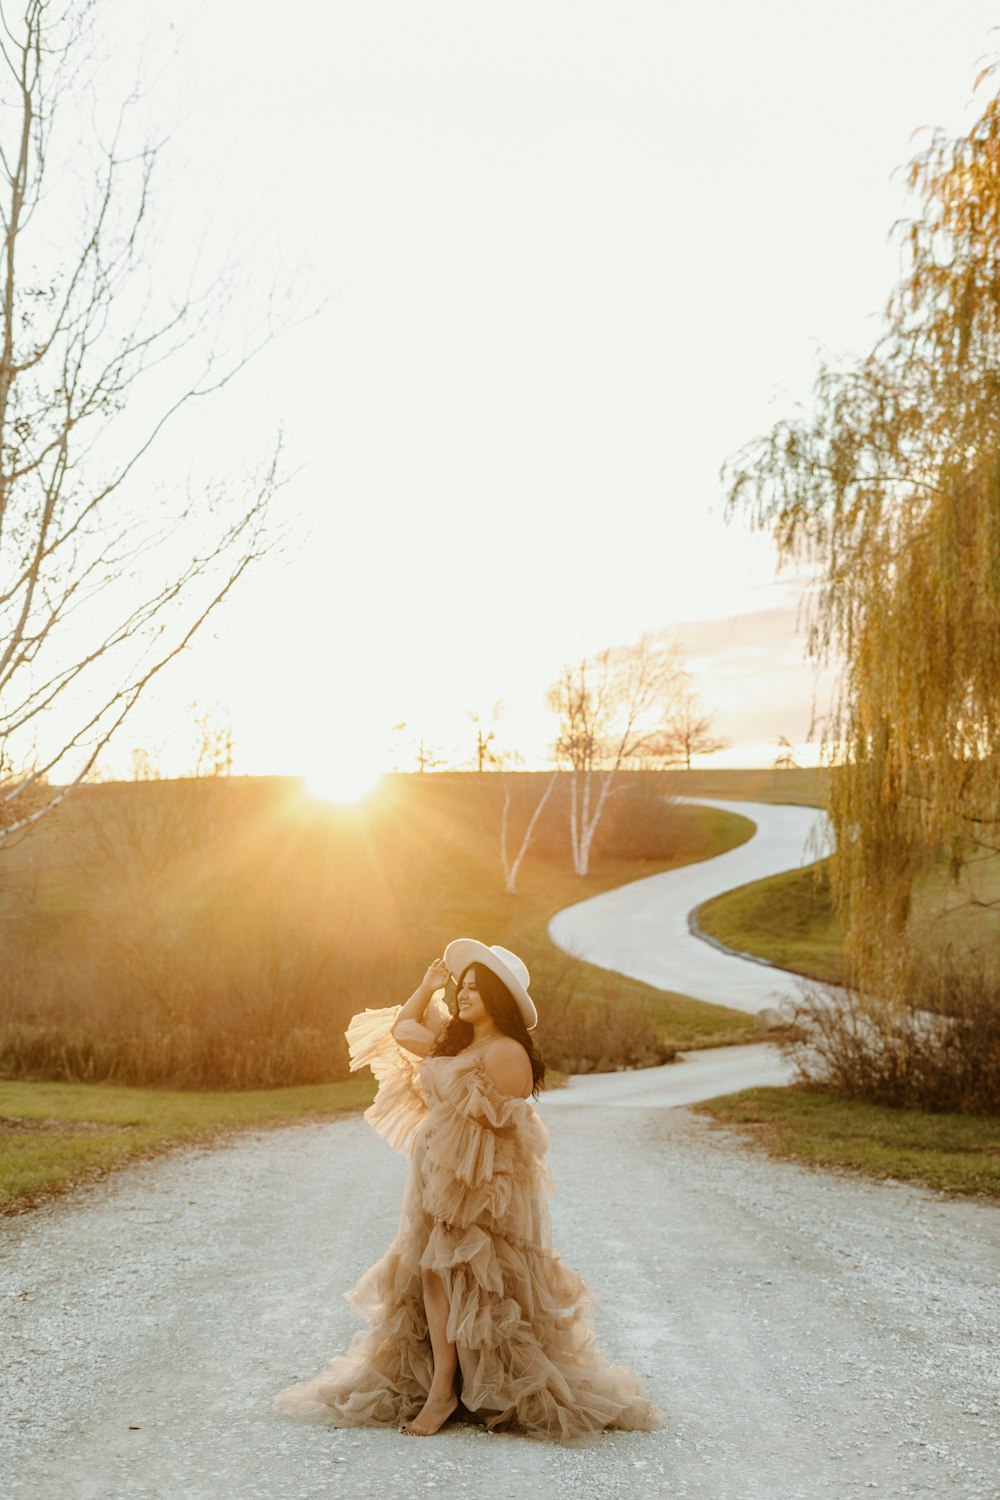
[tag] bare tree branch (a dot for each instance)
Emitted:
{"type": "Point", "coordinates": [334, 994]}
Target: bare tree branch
{"type": "Point", "coordinates": [98, 592]}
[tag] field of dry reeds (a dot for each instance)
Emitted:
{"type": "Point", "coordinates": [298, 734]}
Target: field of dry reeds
{"type": "Point", "coordinates": [220, 933]}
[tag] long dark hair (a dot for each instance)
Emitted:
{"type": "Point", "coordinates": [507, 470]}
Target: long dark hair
{"type": "Point", "coordinates": [503, 1008]}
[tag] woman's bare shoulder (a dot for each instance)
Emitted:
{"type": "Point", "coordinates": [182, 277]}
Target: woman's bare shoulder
{"type": "Point", "coordinates": [509, 1067]}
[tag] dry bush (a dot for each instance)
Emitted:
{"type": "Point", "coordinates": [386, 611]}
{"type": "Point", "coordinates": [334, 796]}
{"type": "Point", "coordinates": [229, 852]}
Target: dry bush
{"type": "Point", "coordinates": [586, 1038]}
{"type": "Point", "coordinates": [942, 1053]}
{"type": "Point", "coordinates": [578, 1034]}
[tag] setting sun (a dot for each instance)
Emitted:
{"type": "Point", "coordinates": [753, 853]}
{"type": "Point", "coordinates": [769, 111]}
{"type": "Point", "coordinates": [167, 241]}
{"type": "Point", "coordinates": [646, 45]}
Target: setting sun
{"type": "Point", "coordinates": [346, 781]}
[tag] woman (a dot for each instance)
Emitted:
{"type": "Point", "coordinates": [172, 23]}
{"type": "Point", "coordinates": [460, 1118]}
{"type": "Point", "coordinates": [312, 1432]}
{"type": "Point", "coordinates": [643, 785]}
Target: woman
{"type": "Point", "coordinates": [469, 1307]}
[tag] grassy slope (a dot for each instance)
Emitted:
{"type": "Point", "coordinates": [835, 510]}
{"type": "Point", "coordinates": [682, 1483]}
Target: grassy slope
{"type": "Point", "coordinates": [786, 918]}
{"type": "Point", "coordinates": [789, 918]}
{"type": "Point", "coordinates": [949, 1153]}
{"type": "Point", "coordinates": [802, 786]}
{"type": "Point", "coordinates": [54, 1134]}
{"type": "Point", "coordinates": [283, 922]}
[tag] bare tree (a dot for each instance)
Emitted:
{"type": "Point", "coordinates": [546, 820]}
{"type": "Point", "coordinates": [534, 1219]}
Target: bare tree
{"type": "Point", "coordinates": [428, 758]}
{"type": "Point", "coordinates": [612, 708]}
{"type": "Point", "coordinates": [213, 741]}
{"type": "Point", "coordinates": [144, 765]}
{"type": "Point", "coordinates": [511, 866]}
{"type": "Point", "coordinates": [785, 759]}
{"type": "Point", "coordinates": [100, 585]}
{"type": "Point", "coordinates": [484, 738]}
{"type": "Point", "coordinates": [688, 729]}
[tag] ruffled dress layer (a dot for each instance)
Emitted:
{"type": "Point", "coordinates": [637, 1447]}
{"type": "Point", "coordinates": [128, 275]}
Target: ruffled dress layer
{"type": "Point", "coordinates": [474, 1210]}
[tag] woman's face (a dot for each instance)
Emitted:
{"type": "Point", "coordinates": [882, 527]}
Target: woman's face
{"type": "Point", "coordinates": [470, 1001]}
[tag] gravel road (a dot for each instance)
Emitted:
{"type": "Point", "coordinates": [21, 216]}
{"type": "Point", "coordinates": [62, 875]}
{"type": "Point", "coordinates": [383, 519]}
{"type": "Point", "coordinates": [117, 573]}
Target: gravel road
{"type": "Point", "coordinates": [642, 929]}
{"type": "Point", "coordinates": [807, 1335]}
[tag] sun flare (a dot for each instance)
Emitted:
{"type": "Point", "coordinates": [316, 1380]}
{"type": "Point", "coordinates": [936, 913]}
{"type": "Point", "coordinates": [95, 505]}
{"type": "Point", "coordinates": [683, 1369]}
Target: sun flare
{"type": "Point", "coordinates": [342, 782]}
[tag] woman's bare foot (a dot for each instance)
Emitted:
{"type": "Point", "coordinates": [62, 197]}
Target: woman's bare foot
{"type": "Point", "coordinates": [433, 1414]}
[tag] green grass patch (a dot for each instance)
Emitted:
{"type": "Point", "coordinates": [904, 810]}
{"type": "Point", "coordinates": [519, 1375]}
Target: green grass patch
{"type": "Point", "coordinates": [693, 1024]}
{"type": "Point", "coordinates": [788, 919]}
{"type": "Point", "coordinates": [947, 1152]}
{"type": "Point", "coordinates": [56, 1135]}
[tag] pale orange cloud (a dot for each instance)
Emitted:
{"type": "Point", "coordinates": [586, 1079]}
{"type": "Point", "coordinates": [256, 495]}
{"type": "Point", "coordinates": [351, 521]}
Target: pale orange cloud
{"type": "Point", "coordinates": [752, 670]}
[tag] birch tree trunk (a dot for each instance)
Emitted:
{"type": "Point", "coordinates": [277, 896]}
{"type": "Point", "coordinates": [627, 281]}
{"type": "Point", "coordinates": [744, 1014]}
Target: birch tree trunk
{"type": "Point", "coordinates": [511, 867]}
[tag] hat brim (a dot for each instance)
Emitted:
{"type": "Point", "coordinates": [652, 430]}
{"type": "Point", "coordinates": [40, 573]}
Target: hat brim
{"type": "Point", "coordinates": [462, 952]}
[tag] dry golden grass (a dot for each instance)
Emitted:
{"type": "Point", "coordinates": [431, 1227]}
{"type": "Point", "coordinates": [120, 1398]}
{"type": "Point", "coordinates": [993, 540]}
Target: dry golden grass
{"type": "Point", "coordinates": [219, 934]}
{"type": "Point", "coordinates": [805, 786]}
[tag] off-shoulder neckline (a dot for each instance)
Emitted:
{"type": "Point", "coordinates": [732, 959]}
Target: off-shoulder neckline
{"type": "Point", "coordinates": [488, 1081]}
{"type": "Point", "coordinates": [478, 1066]}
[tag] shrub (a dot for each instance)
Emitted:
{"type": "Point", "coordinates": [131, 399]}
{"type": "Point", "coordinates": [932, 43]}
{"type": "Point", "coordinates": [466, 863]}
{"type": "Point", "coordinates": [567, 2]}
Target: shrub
{"type": "Point", "coordinates": [603, 1034]}
{"type": "Point", "coordinates": [941, 1053]}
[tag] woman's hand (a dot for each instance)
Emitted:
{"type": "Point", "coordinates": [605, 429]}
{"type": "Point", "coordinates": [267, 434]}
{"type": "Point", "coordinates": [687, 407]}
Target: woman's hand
{"type": "Point", "coordinates": [437, 976]}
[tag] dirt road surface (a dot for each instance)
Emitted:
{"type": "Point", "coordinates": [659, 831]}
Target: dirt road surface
{"type": "Point", "coordinates": [807, 1335]}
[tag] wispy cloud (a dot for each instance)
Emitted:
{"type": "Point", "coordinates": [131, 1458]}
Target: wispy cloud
{"type": "Point", "coordinates": [752, 669]}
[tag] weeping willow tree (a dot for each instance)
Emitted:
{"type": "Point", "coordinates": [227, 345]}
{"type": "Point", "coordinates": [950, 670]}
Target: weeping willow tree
{"type": "Point", "coordinates": [890, 489]}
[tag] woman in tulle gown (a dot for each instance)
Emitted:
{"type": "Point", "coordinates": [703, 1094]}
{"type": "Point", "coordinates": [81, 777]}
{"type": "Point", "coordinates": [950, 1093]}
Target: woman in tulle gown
{"type": "Point", "coordinates": [471, 1311]}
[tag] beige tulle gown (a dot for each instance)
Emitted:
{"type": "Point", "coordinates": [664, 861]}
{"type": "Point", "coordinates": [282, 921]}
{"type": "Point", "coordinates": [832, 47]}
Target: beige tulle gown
{"type": "Point", "coordinates": [474, 1210]}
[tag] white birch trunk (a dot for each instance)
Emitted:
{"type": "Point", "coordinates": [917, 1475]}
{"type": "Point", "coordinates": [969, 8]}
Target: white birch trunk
{"type": "Point", "coordinates": [529, 832]}
{"type": "Point", "coordinates": [590, 826]}
{"type": "Point", "coordinates": [574, 822]}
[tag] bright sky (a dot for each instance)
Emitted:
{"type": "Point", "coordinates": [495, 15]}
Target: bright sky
{"type": "Point", "coordinates": [575, 255]}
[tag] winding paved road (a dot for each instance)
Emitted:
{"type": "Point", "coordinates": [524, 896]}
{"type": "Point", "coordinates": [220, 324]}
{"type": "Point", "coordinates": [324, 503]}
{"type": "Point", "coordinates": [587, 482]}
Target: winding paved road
{"type": "Point", "coordinates": [642, 929]}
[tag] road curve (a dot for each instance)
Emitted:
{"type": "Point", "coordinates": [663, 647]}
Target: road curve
{"type": "Point", "coordinates": [694, 1076]}
{"type": "Point", "coordinates": [642, 929]}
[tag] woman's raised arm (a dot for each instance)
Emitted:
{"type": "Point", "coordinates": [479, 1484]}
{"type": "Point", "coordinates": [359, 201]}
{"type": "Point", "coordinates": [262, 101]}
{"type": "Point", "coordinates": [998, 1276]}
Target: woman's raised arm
{"type": "Point", "coordinates": [407, 1027]}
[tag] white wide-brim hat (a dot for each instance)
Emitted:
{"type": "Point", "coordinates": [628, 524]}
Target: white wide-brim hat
{"type": "Point", "coordinates": [462, 952]}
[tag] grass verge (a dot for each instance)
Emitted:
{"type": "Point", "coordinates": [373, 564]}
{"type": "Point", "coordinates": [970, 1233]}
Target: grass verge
{"type": "Point", "coordinates": [54, 1136]}
{"type": "Point", "coordinates": [787, 919]}
{"type": "Point", "coordinates": [955, 1154]}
